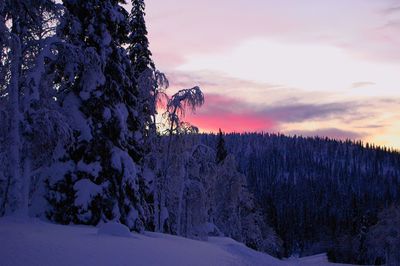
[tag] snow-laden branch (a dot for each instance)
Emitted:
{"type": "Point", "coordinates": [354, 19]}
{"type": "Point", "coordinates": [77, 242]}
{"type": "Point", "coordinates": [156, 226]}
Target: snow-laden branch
{"type": "Point", "coordinates": [184, 99]}
{"type": "Point", "coordinates": [179, 103]}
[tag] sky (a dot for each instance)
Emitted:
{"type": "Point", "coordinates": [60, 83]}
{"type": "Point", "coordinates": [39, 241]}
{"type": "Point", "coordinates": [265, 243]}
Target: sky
{"type": "Point", "coordinates": [309, 67]}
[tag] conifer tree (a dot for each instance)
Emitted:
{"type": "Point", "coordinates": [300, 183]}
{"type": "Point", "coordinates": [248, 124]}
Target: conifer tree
{"type": "Point", "coordinates": [102, 173]}
{"type": "Point", "coordinates": [221, 150]}
{"type": "Point", "coordinates": [142, 64]}
{"type": "Point", "coordinates": [139, 51]}
{"type": "Point", "coordinates": [143, 67]}
{"type": "Point", "coordinates": [150, 84]}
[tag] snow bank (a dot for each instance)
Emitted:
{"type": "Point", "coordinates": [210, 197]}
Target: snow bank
{"type": "Point", "coordinates": [114, 229]}
{"type": "Point", "coordinates": [39, 243]}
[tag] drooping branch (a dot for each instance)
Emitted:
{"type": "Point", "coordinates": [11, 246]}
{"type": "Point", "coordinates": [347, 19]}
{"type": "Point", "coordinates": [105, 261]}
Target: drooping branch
{"type": "Point", "coordinates": [180, 102]}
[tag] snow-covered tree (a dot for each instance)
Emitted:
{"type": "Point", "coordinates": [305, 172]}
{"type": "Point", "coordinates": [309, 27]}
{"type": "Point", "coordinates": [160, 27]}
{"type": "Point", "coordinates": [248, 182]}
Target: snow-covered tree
{"type": "Point", "coordinates": [16, 199]}
{"type": "Point", "coordinates": [179, 104]}
{"type": "Point", "coordinates": [142, 65]}
{"type": "Point", "coordinates": [45, 126]}
{"type": "Point", "coordinates": [151, 89]}
{"type": "Point", "coordinates": [101, 177]}
{"type": "Point", "coordinates": [193, 218]}
{"type": "Point", "coordinates": [237, 214]}
{"type": "Point", "coordinates": [190, 189]}
{"type": "Point", "coordinates": [196, 193]}
{"type": "Point", "coordinates": [41, 125]}
{"type": "Point", "coordinates": [20, 50]}
{"type": "Point", "coordinates": [224, 205]}
{"type": "Point", "coordinates": [176, 107]}
{"type": "Point", "coordinates": [228, 191]}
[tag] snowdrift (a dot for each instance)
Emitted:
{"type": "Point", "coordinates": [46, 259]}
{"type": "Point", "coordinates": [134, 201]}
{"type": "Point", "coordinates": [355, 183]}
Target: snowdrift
{"type": "Point", "coordinates": [35, 242]}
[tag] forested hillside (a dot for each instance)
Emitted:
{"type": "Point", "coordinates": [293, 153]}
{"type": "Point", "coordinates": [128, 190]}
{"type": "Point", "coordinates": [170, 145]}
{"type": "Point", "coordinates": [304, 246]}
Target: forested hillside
{"type": "Point", "coordinates": [317, 193]}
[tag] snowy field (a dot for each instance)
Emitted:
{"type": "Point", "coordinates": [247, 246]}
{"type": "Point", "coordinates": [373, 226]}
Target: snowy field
{"type": "Point", "coordinates": [38, 243]}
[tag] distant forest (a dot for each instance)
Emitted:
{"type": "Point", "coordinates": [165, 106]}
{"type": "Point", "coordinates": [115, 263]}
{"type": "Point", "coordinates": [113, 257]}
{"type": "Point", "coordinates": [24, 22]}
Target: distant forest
{"type": "Point", "coordinates": [316, 192]}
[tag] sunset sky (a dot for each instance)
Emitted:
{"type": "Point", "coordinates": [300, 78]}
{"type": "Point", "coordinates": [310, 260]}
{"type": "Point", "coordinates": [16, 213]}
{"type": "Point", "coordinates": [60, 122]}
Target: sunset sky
{"type": "Point", "coordinates": [309, 67]}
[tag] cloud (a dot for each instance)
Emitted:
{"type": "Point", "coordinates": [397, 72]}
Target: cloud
{"type": "Point", "coordinates": [294, 113]}
{"type": "Point", "coordinates": [232, 114]}
{"type": "Point", "coordinates": [391, 10]}
{"type": "Point", "coordinates": [213, 79]}
{"type": "Point", "coordinates": [334, 133]}
{"type": "Point", "coordinates": [309, 67]}
{"type": "Point", "coordinates": [393, 23]}
{"type": "Point", "coordinates": [213, 83]}
{"type": "Point", "coordinates": [372, 126]}
{"type": "Point", "coordinates": [177, 30]}
{"type": "Point", "coordinates": [361, 84]}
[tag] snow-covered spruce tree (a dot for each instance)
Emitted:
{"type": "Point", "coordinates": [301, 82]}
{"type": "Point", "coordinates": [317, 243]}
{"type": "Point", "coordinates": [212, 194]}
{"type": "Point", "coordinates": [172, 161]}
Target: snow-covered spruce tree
{"type": "Point", "coordinates": [151, 82]}
{"type": "Point", "coordinates": [99, 177]}
{"type": "Point", "coordinates": [142, 65]}
{"type": "Point", "coordinates": [151, 86]}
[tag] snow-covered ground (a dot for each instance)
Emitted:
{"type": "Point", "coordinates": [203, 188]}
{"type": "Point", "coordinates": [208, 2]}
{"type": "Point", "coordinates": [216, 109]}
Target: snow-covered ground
{"type": "Point", "coordinates": [35, 242]}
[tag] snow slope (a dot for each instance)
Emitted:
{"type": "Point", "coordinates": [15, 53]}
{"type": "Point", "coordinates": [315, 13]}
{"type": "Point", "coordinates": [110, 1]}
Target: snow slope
{"type": "Point", "coordinates": [35, 242]}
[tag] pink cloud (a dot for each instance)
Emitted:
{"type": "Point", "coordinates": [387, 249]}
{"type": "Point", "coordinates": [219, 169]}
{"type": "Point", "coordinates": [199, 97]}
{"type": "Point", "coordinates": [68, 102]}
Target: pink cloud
{"type": "Point", "coordinates": [234, 115]}
{"type": "Point", "coordinates": [232, 122]}
{"type": "Point", "coordinates": [231, 115]}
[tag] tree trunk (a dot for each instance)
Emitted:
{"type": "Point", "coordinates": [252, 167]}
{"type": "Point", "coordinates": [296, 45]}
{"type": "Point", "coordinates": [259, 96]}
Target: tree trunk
{"type": "Point", "coordinates": [24, 209]}
{"type": "Point", "coordinates": [15, 200]}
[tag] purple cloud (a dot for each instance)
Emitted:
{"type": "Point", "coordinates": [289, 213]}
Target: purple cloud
{"type": "Point", "coordinates": [237, 115]}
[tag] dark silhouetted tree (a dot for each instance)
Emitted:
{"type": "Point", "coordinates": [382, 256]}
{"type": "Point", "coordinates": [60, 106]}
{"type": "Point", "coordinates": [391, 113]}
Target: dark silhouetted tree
{"type": "Point", "coordinates": [221, 150]}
